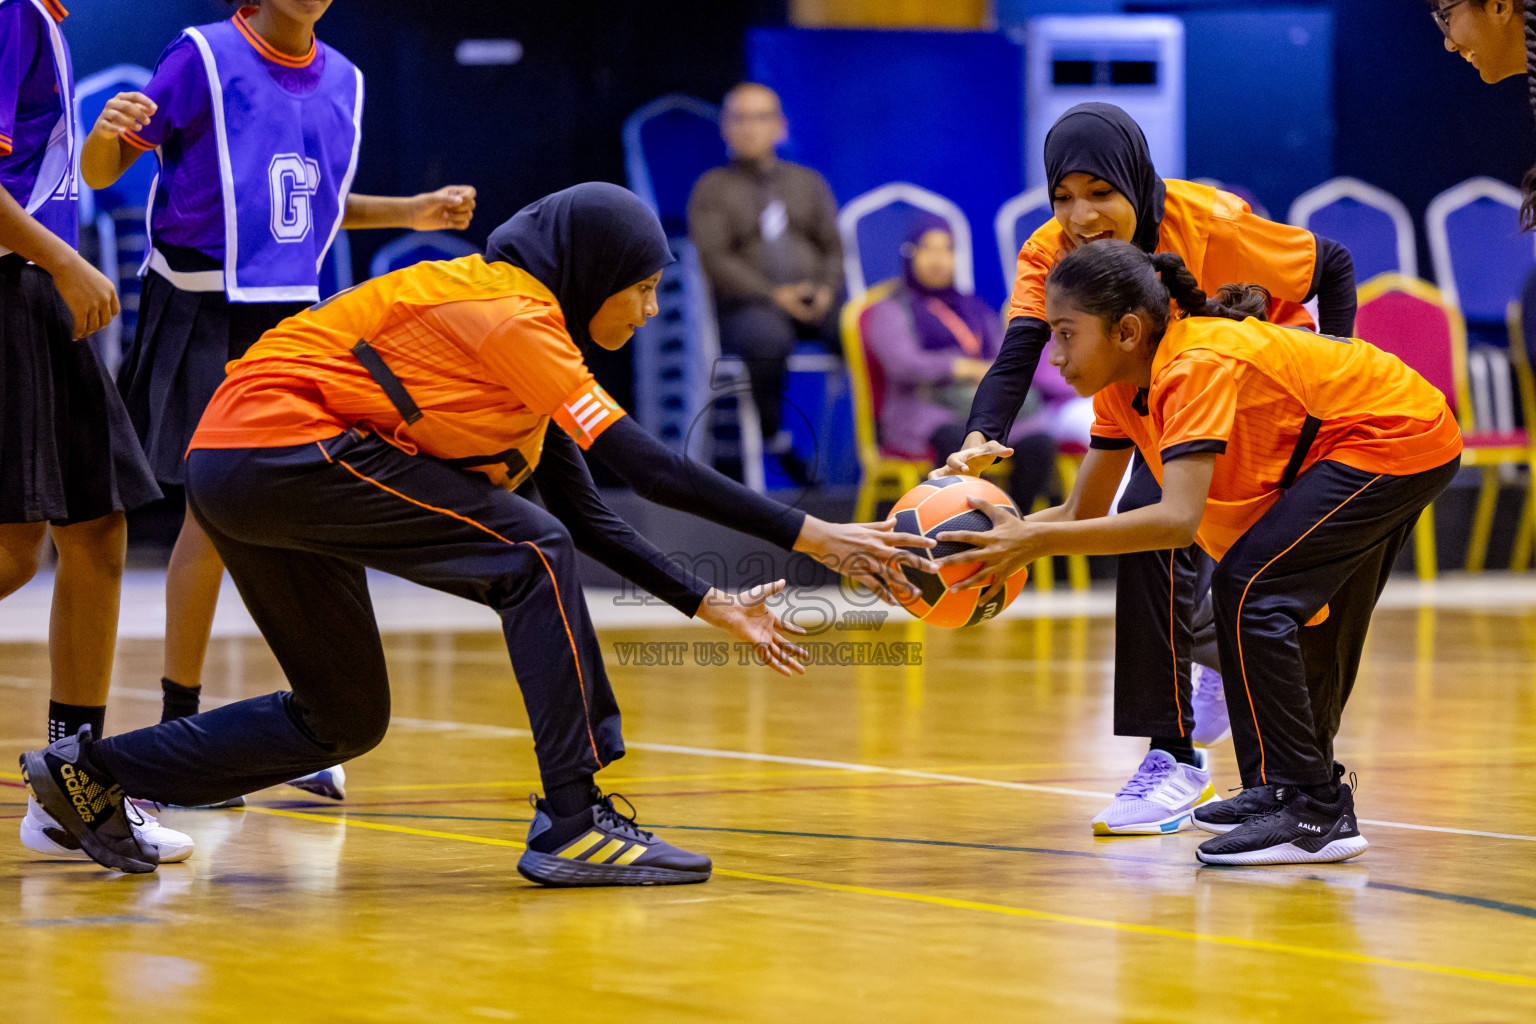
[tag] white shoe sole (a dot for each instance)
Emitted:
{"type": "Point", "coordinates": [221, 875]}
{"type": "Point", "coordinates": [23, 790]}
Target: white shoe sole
{"type": "Point", "coordinates": [1289, 853]}
{"type": "Point", "coordinates": [36, 837]}
{"type": "Point", "coordinates": [1167, 826]}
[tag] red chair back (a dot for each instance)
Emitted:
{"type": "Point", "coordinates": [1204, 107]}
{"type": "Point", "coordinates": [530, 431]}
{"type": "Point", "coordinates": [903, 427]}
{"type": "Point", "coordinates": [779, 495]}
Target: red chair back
{"type": "Point", "coordinates": [1414, 325]}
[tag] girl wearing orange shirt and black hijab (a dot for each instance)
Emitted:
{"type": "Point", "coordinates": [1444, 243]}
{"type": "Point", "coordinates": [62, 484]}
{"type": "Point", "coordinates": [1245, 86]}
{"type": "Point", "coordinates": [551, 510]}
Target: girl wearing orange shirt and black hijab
{"type": "Point", "coordinates": [384, 428]}
{"type": "Point", "coordinates": [1104, 186]}
{"type": "Point", "coordinates": [1299, 461]}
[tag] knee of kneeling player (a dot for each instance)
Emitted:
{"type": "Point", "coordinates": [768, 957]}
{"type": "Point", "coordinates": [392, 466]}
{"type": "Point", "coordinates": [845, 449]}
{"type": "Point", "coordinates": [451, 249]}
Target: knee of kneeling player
{"type": "Point", "coordinates": [354, 733]}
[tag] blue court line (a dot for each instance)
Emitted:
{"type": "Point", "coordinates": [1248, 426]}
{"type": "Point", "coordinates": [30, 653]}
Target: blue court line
{"type": "Point", "coordinates": [84, 922]}
{"type": "Point", "coordinates": [1470, 901]}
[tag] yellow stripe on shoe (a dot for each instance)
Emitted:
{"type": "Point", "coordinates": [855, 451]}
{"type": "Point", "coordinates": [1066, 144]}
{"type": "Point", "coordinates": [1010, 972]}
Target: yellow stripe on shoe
{"type": "Point", "coordinates": [612, 847]}
{"type": "Point", "coordinates": [581, 845]}
{"type": "Point", "coordinates": [630, 855]}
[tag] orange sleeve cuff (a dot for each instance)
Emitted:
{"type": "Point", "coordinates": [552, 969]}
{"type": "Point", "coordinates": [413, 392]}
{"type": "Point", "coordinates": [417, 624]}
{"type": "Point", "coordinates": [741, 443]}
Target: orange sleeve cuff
{"type": "Point", "coordinates": [136, 142]}
{"type": "Point", "coordinates": [587, 412]}
{"type": "Point", "coordinates": [5, 144]}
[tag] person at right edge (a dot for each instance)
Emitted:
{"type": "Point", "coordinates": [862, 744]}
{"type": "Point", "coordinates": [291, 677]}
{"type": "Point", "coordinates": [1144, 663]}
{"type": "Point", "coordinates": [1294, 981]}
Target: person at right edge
{"type": "Point", "coordinates": [1103, 185]}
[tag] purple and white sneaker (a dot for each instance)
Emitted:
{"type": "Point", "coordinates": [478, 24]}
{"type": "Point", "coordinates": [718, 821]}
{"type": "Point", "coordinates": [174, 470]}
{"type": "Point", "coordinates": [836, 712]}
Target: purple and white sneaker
{"type": "Point", "coordinates": [1160, 798]}
{"type": "Point", "coordinates": [1210, 700]}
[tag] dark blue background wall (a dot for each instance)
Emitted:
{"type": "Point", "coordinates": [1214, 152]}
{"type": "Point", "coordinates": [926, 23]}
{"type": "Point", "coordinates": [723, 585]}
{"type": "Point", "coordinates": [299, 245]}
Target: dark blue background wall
{"type": "Point", "coordinates": [939, 109]}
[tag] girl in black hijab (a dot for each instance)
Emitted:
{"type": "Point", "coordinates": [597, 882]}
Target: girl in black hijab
{"type": "Point", "coordinates": [385, 428]}
{"type": "Point", "coordinates": [1103, 185]}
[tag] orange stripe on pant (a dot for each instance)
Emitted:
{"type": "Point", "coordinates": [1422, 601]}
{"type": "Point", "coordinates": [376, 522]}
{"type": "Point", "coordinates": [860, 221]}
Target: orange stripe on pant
{"type": "Point", "coordinates": [1173, 651]}
{"type": "Point", "coordinates": [559, 603]}
{"type": "Point", "coordinates": [1242, 664]}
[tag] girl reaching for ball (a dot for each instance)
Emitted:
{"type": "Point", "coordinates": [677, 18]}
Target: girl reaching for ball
{"type": "Point", "coordinates": [384, 428]}
{"type": "Point", "coordinates": [1299, 461]}
{"type": "Point", "coordinates": [255, 124]}
{"type": "Point", "coordinates": [1104, 185]}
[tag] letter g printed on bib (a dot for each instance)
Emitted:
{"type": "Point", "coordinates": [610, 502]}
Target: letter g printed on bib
{"type": "Point", "coordinates": [294, 181]}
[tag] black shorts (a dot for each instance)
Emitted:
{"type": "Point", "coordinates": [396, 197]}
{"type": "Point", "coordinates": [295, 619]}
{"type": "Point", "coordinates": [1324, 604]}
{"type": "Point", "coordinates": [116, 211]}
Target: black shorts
{"type": "Point", "coordinates": [68, 453]}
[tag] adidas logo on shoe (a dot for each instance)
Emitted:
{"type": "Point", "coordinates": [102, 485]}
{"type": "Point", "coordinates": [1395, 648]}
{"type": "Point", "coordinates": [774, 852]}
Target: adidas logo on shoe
{"type": "Point", "coordinates": [89, 798]}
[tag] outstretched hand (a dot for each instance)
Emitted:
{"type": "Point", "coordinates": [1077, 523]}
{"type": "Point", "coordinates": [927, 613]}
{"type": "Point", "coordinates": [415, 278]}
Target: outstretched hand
{"type": "Point", "coordinates": [1009, 546]}
{"type": "Point", "coordinates": [747, 617]}
{"type": "Point", "coordinates": [871, 554]}
{"type": "Point", "coordinates": [971, 461]}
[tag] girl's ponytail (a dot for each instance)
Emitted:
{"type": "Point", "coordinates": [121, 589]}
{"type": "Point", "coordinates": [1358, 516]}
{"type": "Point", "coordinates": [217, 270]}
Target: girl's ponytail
{"type": "Point", "coordinates": [1110, 279]}
{"type": "Point", "coordinates": [1233, 301]}
{"type": "Point", "coordinates": [1181, 284]}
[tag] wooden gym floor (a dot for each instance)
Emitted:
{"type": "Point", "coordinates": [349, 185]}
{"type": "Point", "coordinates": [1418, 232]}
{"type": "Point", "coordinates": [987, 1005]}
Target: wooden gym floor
{"type": "Point", "coordinates": [891, 844]}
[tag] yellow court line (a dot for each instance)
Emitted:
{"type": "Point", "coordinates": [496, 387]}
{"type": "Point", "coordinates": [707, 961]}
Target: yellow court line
{"type": "Point", "coordinates": [1313, 952]}
{"type": "Point", "coordinates": [331, 819]}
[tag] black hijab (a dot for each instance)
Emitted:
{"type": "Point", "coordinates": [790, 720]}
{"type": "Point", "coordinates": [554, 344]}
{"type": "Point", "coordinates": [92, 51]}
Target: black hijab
{"type": "Point", "coordinates": [1102, 140]}
{"type": "Point", "coordinates": [584, 243]}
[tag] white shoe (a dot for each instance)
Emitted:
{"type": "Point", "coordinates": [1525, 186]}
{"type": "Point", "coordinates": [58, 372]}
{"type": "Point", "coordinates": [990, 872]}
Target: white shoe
{"type": "Point", "coordinates": [1161, 797]}
{"type": "Point", "coordinates": [1212, 726]}
{"type": "Point", "coordinates": [327, 782]}
{"type": "Point", "coordinates": [41, 834]}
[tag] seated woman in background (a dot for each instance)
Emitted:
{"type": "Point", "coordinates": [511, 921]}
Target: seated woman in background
{"type": "Point", "coordinates": [932, 345]}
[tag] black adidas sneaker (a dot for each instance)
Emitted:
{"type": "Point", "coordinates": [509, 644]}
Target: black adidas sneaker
{"type": "Point", "coordinates": [86, 803]}
{"type": "Point", "coordinates": [600, 846]}
{"type": "Point", "coordinates": [1304, 831]}
{"type": "Point", "coordinates": [1222, 816]}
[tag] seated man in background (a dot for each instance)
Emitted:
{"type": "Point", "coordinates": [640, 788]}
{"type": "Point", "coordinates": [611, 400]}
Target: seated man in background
{"type": "Point", "coordinates": [766, 234]}
{"type": "Point", "coordinates": [932, 344]}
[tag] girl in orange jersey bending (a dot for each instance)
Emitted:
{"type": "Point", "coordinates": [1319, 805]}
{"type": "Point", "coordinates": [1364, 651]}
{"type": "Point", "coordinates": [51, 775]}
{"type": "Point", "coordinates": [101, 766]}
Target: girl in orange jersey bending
{"type": "Point", "coordinates": [1299, 461]}
{"type": "Point", "coordinates": [384, 428]}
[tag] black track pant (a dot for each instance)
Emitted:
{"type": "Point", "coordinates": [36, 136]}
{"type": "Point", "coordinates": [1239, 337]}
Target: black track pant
{"type": "Point", "coordinates": [1163, 620]}
{"type": "Point", "coordinates": [1329, 541]}
{"type": "Point", "coordinates": [296, 526]}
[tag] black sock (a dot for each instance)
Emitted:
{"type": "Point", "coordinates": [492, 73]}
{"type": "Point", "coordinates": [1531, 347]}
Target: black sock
{"type": "Point", "coordinates": [571, 798]}
{"type": "Point", "coordinates": [66, 720]}
{"type": "Point", "coordinates": [1323, 792]}
{"type": "Point", "coordinates": [1182, 748]}
{"type": "Point", "coordinates": [179, 702]}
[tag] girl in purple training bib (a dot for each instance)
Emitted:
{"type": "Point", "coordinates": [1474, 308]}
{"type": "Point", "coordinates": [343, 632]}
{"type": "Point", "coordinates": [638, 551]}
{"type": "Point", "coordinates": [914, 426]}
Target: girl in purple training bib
{"type": "Point", "coordinates": [256, 125]}
{"type": "Point", "coordinates": [69, 463]}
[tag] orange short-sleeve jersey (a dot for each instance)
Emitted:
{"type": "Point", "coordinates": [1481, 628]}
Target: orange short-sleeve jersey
{"type": "Point", "coordinates": [1243, 391]}
{"type": "Point", "coordinates": [480, 347]}
{"type": "Point", "coordinates": [1221, 240]}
